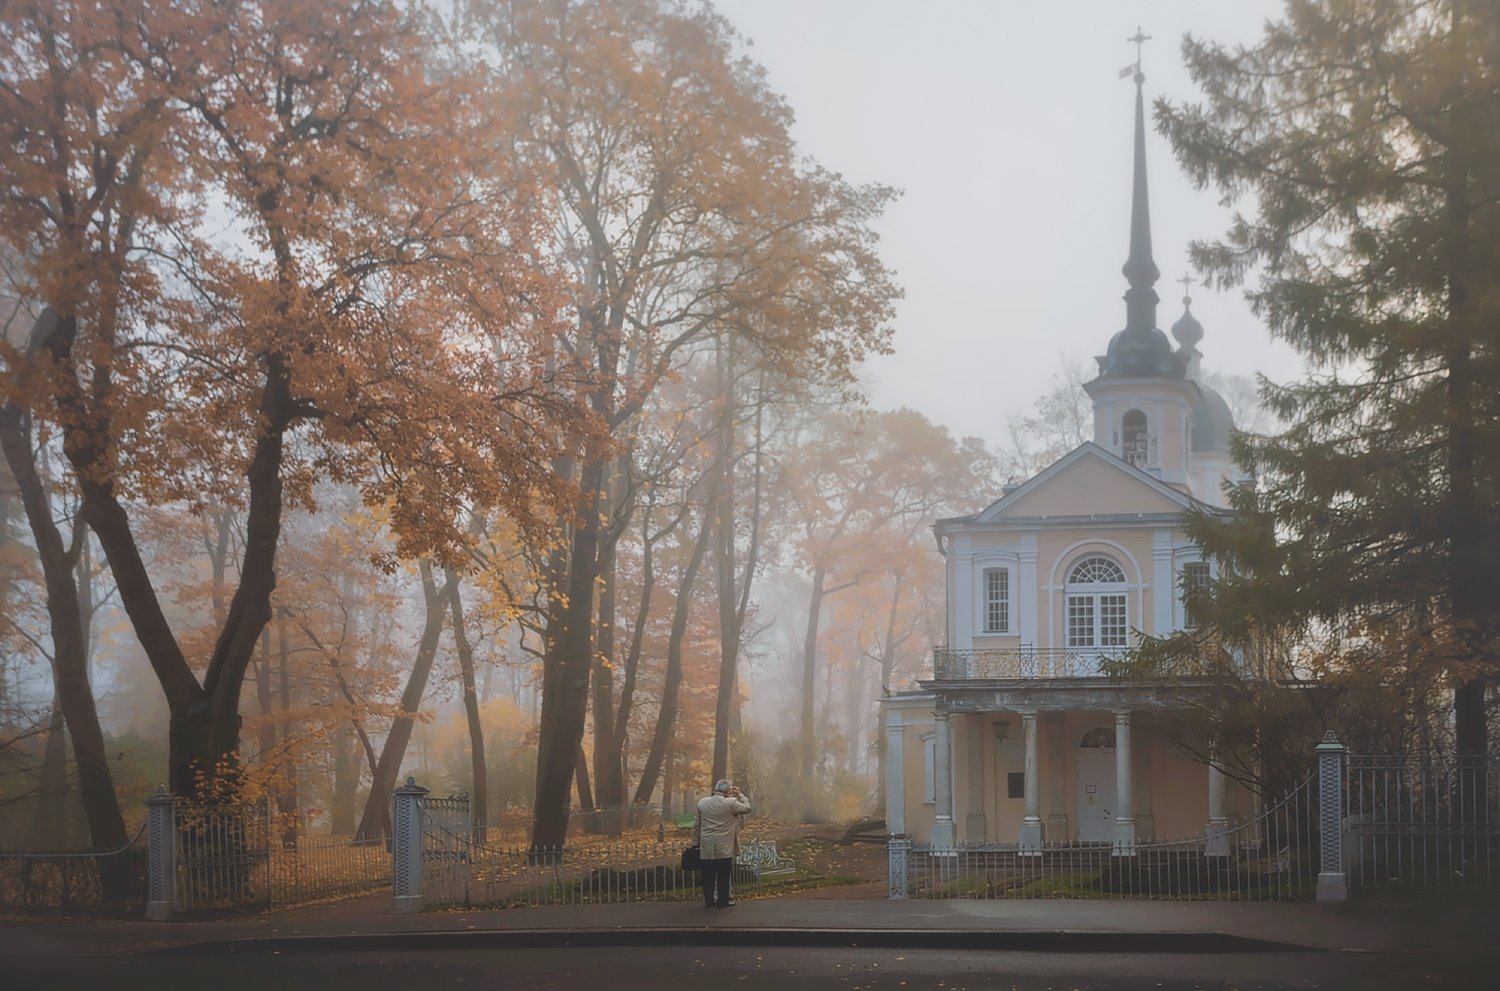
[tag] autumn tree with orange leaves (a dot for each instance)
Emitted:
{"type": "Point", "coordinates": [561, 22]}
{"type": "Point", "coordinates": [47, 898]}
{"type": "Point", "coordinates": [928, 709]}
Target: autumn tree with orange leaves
{"type": "Point", "coordinates": [278, 248]}
{"type": "Point", "coordinates": [684, 210]}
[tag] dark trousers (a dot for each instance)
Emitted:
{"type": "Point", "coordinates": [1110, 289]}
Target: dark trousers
{"type": "Point", "coordinates": [716, 881]}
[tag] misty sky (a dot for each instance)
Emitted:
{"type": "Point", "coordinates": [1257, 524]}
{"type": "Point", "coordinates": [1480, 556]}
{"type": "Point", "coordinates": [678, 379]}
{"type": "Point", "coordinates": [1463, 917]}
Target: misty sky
{"type": "Point", "coordinates": [1008, 128]}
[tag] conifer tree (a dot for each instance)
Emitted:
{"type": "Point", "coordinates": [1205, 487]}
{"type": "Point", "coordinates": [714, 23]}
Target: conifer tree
{"type": "Point", "coordinates": [1363, 138]}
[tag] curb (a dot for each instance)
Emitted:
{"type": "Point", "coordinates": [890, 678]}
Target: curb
{"type": "Point", "coordinates": [1042, 941]}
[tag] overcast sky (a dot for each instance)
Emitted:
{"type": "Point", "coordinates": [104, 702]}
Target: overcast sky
{"type": "Point", "coordinates": [1007, 127]}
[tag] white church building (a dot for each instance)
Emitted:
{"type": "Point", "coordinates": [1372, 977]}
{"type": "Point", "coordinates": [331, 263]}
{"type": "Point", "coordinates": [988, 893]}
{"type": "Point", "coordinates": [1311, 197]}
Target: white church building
{"type": "Point", "coordinates": [1020, 737]}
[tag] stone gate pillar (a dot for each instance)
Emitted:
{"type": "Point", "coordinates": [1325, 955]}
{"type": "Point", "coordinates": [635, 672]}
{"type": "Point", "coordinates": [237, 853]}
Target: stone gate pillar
{"type": "Point", "coordinates": [406, 847]}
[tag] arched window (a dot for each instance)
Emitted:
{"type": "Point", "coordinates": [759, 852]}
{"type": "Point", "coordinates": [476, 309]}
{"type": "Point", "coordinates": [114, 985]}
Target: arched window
{"type": "Point", "coordinates": [1098, 738]}
{"type": "Point", "coordinates": [1134, 442]}
{"type": "Point", "coordinates": [1096, 598]}
{"type": "Point", "coordinates": [1096, 571]}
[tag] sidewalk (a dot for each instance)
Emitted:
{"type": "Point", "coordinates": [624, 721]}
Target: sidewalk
{"type": "Point", "coordinates": [1119, 926]}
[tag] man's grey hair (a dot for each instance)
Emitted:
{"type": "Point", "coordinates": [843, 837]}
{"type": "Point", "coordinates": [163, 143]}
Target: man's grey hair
{"type": "Point", "coordinates": [722, 786]}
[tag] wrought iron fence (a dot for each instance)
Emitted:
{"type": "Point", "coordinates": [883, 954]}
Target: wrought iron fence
{"type": "Point", "coordinates": [222, 857]}
{"type": "Point", "coordinates": [110, 882]}
{"type": "Point", "coordinates": [1271, 857]}
{"type": "Point", "coordinates": [1421, 822]}
{"type": "Point", "coordinates": [461, 868]}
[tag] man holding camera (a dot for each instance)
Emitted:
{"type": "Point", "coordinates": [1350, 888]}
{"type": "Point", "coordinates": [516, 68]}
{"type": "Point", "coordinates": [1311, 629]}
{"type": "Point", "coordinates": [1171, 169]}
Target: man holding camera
{"type": "Point", "coordinates": [717, 836]}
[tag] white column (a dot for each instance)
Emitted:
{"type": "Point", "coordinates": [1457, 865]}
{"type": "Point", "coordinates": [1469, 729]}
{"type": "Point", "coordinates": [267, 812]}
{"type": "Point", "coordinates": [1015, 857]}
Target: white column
{"type": "Point", "coordinates": [943, 837]}
{"type": "Point", "coordinates": [895, 773]}
{"type": "Point", "coordinates": [1217, 832]}
{"type": "Point", "coordinates": [974, 819]}
{"type": "Point", "coordinates": [1124, 815]}
{"type": "Point", "coordinates": [1031, 825]}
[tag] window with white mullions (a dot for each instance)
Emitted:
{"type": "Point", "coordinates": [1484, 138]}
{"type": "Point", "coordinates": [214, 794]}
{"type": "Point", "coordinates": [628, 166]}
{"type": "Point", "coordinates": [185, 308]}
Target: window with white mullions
{"type": "Point", "coordinates": [1098, 611]}
{"type": "Point", "coordinates": [997, 600]}
{"type": "Point", "coordinates": [1195, 576]}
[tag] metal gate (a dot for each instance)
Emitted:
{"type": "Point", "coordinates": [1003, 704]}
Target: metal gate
{"type": "Point", "coordinates": [222, 857]}
{"type": "Point", "coordinates": [1421, 822]}
{"type": "Point", "coordinates": [1270, 857]}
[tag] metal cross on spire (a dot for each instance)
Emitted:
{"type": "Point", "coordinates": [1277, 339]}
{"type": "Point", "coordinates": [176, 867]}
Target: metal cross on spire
{"type": "Point", "coordinates": [1187, 288]}
{"type": "Point", "coordinates": [1139, 39]}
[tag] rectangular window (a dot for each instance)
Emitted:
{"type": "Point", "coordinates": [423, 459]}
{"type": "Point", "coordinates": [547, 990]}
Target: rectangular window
{"type": "Point", "coordinates": [1195, 576]}
{"type": "Point", "coordinates": [1015, 784]}
{"type": "Point", "coordinates": [1113, 626]}
{"type": "Point", "coordinates": [1080, 621]}
{"type": "Point", "coordinates": [996, 600]}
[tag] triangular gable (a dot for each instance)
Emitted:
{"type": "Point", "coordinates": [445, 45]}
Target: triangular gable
{"type": "Point", "coordinates": [1087, 481]}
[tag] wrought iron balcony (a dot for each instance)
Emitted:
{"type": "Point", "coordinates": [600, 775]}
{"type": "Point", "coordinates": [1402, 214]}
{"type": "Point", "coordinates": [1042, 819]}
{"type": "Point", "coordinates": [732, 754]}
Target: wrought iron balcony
{"type": "Point", "coordinates": [1026, 661]}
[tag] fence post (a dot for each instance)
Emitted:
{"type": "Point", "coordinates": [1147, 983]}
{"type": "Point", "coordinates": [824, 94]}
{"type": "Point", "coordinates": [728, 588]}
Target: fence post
{"type": "Point", "coordinates": [1333, 882]}
{"type": "Point", "coordinates": [406, 847]}
{"type": "Point", "coordinates": [161, 867]}
{"type": "Point", "coordinates": [898, 857]}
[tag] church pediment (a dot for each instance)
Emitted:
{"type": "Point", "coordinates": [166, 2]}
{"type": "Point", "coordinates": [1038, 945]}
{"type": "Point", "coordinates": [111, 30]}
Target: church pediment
{"type": "Point", "coordinates": [1088, 481]}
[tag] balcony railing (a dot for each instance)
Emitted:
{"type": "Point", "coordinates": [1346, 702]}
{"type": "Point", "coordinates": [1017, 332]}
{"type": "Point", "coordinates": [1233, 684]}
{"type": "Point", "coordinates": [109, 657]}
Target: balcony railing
{"type": "Point", "coordinates": [1026, 661]}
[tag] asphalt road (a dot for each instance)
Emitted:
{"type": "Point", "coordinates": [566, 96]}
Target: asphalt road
{"type": "Point", "coordinates": [779, 969]}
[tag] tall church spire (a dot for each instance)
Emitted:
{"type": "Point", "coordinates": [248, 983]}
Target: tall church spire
{"type": "Point", "coordinates": [1140, 269]}
{"type": "Point", "coordinates": [1140, 350]}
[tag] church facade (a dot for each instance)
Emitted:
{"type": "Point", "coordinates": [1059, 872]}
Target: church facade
{"type": "Point", "coordinates": [1021, 737]}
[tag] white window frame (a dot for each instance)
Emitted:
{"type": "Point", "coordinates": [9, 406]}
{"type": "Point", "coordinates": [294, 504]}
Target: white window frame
{"type": "Point", "coordinates": [1099, 597]}
{"type": "Point", "coordinates": [987, 602]}
{"type": "Point", "coordinates": [1207, 578]}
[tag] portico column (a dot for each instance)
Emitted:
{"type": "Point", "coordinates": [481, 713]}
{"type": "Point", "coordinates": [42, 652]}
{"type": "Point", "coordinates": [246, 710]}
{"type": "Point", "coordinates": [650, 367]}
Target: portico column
{"type": "Point", "coordinates": [1217, 834]}
{"type": "Point", "coordinates": [1031, 825]}
{"type": "Point", "coordinates": [1124, 844]}
{"type": "Point", "coordinates": [895, 773]}
{"type": "Point", "coordinates": [943, 836]}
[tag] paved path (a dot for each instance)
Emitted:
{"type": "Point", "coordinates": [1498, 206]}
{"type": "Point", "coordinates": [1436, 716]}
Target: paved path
{"type": "Point", "coordinates": [1357, 926]}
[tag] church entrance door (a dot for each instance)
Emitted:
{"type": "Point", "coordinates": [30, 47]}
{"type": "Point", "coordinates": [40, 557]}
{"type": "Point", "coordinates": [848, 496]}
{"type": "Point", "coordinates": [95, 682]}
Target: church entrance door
{"type": "Point", "coordinates": [1096, 795]}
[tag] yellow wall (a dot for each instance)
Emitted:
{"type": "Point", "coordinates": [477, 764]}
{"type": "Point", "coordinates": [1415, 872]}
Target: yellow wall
{"type": "Point", "coordinates": [1170, 791]}
{"type": "Point", "coordinates": [1089, 486]}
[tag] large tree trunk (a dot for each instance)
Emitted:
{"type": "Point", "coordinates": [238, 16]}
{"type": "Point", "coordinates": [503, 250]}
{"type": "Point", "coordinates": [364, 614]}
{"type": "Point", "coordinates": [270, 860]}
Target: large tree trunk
{"type": "Point", "coordinates": [479, 789]}
{"type": "Point", "coordinates": [376, 819]}
{"type": "Point", "coordinates": [1471, 578]}
{"type": "Point", "coordinates": [286, 799]}
{"type": "Point", "coordinates": [807, 739]}
{"type": "Point", "coordinates": [667, 715]}
{"type": "Point", "coordinates": [75, 697]}
{"type": "Point", "coordinates": [345, 780]}
{"type": "Point", "coordinates": [566, 665]}
{"type": "Point", "coordinates": [609, 782]}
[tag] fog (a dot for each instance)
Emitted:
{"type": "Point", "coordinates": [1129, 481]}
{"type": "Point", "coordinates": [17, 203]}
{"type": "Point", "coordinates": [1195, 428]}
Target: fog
{"type": "Point", "coordinates": [764, 476]}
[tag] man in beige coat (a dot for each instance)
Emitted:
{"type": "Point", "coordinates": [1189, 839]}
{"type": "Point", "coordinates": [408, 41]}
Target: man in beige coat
{"type": "Point", "coordinates": [717, 836]}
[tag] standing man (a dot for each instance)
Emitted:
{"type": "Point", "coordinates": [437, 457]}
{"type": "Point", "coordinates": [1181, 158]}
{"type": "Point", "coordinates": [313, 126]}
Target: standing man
{"type": "Point", "coordinates": [717, 835]}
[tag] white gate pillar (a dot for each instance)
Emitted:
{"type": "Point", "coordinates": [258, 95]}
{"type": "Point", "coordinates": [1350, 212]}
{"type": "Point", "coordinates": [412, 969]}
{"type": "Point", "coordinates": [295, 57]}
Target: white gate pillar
{"type": "Point", "coordinates": [1124, 845]}
{"type": "Point", "coordinates": [1333, 882]}
{"type": "Point", "coordinates": [161, 851]}
{"type": "Point", "coordinates": [943, 837]}
{"type": "Point", "coordinates": [406, 847]}
{"type": "Point", "coordinates": [1217, 833]}
{"type": "Point", "coordinates": [1031, 825]}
